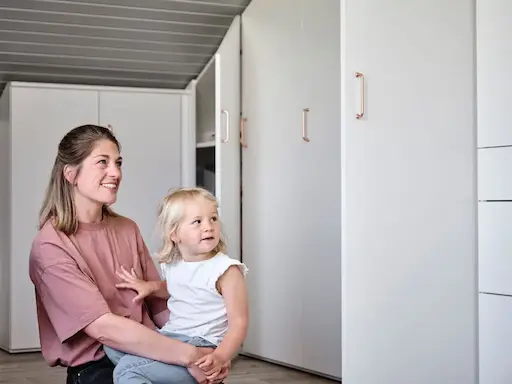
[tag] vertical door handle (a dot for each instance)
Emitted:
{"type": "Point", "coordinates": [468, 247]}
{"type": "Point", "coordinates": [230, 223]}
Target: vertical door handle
{"type": "Point", "coordinates": [305, 125]}
{"type": "Point", "coordinates": [226, 138]}
{"type": "Point", "coordinates": [242, 132]}
{"type": "Point", "coordinates": [360, 76]}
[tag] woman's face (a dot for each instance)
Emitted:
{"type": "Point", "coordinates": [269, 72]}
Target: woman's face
{"type": "Point", "coordinates": [98, 178]}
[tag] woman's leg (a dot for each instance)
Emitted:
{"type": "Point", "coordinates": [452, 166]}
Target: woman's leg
{"type": "Point", "coordinates": [113, 354]}
{"type": "Point", "coordinates": [97, 372]}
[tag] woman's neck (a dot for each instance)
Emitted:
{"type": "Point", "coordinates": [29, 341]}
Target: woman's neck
{"type": "Point", "coordinates": [90, 213]}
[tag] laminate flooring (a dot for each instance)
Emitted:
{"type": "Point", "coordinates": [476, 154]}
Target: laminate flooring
{"type": "Point", "coordinates": [30, 368]}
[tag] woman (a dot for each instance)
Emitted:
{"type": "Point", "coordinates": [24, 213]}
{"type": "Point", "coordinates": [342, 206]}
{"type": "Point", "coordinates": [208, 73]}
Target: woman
{"type": "Point", "coordinates": [80, 246]}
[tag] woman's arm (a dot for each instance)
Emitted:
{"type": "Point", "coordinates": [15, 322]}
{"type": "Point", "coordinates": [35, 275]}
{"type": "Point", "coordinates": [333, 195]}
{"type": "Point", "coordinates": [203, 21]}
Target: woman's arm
{"type": "Point", "coordinates": [134, 338]}
{"type": "Point", "coordinates": [59, 281]}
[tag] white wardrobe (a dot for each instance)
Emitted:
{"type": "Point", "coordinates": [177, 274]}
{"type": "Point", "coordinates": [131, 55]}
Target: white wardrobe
{"type": "Point", "coordinates": [359, 188]}
{"type": "Point", "coordinates": [291, 174]}
{"type": "Point", "coordinates": [494, 32]}
{"type": "Point", "coordinates": [214, 133]}
{"type": "Point", "coordinates": [35, 117]}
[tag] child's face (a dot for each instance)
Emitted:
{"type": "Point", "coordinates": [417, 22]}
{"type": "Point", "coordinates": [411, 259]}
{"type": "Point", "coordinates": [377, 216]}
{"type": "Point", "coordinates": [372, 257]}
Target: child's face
{"type": "Point", "coordinates": [199, 230]}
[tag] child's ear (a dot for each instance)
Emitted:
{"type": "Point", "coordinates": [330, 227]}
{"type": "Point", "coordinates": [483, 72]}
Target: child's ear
{"type": "Point", "coordinates": [174, 237]}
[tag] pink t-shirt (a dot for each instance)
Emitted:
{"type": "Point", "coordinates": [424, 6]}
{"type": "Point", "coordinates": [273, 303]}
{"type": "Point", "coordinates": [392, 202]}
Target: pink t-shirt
{"type": "Point", "coordinates": [74, 278]}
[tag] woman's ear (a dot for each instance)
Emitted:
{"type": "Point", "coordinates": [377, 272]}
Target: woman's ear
{"type": "Point", "coordinates": [70, 174]}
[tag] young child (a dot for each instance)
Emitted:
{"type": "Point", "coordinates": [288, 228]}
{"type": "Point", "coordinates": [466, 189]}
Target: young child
{"type": "Point", "coordinates": [205, 289]}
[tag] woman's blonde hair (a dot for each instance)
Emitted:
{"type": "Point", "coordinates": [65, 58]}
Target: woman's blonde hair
{"type": "Point", "coordinates": [170, 215]}
{"type": "Point", "coordinates": [73, 149]}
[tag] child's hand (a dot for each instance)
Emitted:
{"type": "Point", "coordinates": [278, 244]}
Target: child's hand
{"type": "Point", "coordinates": [211, 365]}
{"type": "Point", "coordinates": [131, 281]}
{"type": "Point", "coordinates": [197, 374]}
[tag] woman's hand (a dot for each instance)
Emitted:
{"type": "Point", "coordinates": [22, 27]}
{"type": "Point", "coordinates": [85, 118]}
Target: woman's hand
{"type": "Point", "coordinates": [131, 281]}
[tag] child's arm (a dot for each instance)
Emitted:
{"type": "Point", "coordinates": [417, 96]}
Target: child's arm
{"type": "Point", "coordinates": [143, 288]}
{"type": "Point", "coordinates": [231, 285]}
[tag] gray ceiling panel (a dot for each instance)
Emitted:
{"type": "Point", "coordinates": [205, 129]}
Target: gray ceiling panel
{"type": "Point", "coordinates": [151, 43]}
{"type": "Point", "coordinates": [109, 22]}
{"type": "Point", "coordinates": [217, 8]}
{"type": "Point", "coordinates": [54, 70]}
{"type": "Point", "coordinates": [107, 33]}
{"type": "Point", "coordinates": [50, 39]}
{"type": "Point", "coordinates": [92, 52]}
{"type": "Point", "coordinates": [102, 62]}
{"type": "Point", "coordinates": [65, 9]}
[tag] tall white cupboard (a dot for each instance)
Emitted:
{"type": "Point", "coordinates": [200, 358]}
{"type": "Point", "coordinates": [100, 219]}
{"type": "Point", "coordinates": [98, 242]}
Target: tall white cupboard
{"type": "Point", "coordinates": [494, 45]}
{"type": "Point", "coordinates": [34, 119]}
{"type": "Point", "coordinates": [292, 182]}
{"type": "Point", "coordinates": [215, 133]}
{"type": "Point", "coordinates": [359, 188]}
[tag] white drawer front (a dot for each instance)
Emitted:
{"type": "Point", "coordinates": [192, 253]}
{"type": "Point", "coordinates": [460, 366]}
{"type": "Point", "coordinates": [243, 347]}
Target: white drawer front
{"type": "Point", "coordinates": [495, 247]}
{"type": "Point", "coordinates": [495, 339]}
{"type": "Point", "coordinates": [495, 173]}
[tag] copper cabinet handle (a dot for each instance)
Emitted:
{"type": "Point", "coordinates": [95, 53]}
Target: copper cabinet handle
{"type": "Point", "coordinates": [242, 132]}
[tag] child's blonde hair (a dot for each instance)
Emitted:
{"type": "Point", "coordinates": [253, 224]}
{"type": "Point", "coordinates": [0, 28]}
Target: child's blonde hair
{"type": "Point", "coordinates": [170, 214]}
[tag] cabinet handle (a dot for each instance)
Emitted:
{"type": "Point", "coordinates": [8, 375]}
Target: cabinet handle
{"type": "Point", "coordinates": [304, 125]}
{"type": "Point", "coordinates": [226, 139]}
{"type": "Point", "coordinates": [242, 132]}
{"type": "Point", "coordinates": [361, 114]}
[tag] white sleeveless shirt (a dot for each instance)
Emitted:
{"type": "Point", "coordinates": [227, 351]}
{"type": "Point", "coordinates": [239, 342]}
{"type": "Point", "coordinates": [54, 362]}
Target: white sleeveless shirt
{"type": "Point", "coordinates": [197, 308]}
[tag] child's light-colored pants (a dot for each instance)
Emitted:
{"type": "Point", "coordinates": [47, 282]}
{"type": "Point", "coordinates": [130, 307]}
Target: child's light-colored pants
{"type": "Point", "coordinates": [132, 369]}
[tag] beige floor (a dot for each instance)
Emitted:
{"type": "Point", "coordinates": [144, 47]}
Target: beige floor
{"type": "Point", "coordinates": [29, 368]}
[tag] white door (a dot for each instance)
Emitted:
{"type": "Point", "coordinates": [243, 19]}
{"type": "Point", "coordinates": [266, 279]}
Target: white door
{"type": "Point", "coordinates": [319, 196]}
{"type": "Point", "coordinates": [409, 193]}
{"type": "Point", "coordinates": [494, 44]}
{"type": "Point", "coordinates": [227, 135]}
{"type": "Point", "coordinates": [148, 127]}
{"type": "Point", "coordinates": [41, 116]}
{"type": "Point", "coordinates": [274, 227]}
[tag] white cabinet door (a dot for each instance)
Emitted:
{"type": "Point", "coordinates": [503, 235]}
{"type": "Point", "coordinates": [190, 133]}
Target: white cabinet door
{"type": "Point", "coordinates": [494, 177]}
{"type": "Point", "coordinates": [319, 194]}
{"type": "Point", "coordinates": [41, 117]}
{"type": "Point", "coordinates": [274, 227]}
{"type": "Point", "coordinates": [494, 61]}
{"type": "Point", "coordinates": [148, 126]}
{"type": "Point", "coordinates": [227, 135]}
{"type": "Point", "coordinates": [495, 339]}
{"type": "Point", "coordinates": [409, 196]}
{"type": "Point", "coordinates": [495, 247]}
